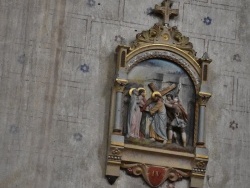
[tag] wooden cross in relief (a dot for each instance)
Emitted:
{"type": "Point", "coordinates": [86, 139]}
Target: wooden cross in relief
{"type": "Point", "coordinates": [166, 11]}
{"type": "Point", "coordinates": [163, 91]}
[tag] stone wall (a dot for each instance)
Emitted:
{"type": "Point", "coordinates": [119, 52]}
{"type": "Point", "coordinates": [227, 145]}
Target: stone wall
{"type": "Point", "coordinates": [57, 68]}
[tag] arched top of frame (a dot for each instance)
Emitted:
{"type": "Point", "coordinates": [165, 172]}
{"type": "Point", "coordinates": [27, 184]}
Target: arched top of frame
{"type": "Point", "coordinates": [169, 53]}
{"type": "Point", "coordinates": [175, 51]}
{"type": "Point", "coordinates": [162, 42]}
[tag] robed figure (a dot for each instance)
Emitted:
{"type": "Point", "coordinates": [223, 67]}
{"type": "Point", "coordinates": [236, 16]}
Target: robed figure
{"type": "Point", "coordinates": [134, 114]}
{"type": "Point", "coordinates": [158, 124]}
{"type": "Point", "coordinates": [178, 120]}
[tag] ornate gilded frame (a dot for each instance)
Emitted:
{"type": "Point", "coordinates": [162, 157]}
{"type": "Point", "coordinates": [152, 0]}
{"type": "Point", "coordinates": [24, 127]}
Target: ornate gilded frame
{"type": "Point", "coordinates": [157, 165]}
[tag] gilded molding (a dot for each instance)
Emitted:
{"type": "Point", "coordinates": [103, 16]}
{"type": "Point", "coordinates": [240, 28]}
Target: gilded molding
{"type": "Point", "coordinates": [199, 167]}
{"type": "Point", "coordinates": [165, 47]}
{"type": "Point", "coordinates": [117, 144]}
{"type": "Point", "coordinates": [198, 175]}
{"type": "Point", "coordinates": [114, 157]}
{"type": "Point", "coordinates": [120, 84]}
{"type": "Point", "coordinates": [192, 69]}
{"type": "Point", "coordinates": [203, 98]}
{"type": "Point", "coordinates": [158, 150]}
{"type": "Point", "coordinates": [115, 154]}
{"type": "Point", "coordinates": [204, 59]}
{"type": "Point", "coordinates": [201, 156]}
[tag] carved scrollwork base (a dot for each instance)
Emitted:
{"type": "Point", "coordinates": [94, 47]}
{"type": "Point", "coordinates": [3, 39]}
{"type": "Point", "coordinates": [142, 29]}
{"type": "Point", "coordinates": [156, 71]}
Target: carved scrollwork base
{"type": "Point", "coordinates": [155, 175]}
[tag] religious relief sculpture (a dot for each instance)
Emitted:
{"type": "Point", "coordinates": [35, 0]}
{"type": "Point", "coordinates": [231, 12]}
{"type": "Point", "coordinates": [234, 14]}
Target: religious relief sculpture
{"type": "Point", "coordinates": [155, 112]}
{"type": "Point", "coordinates": [158, 107]}
{"type": "Point", "coordinates": [157, 127]}
{"type": "Point", "coordinates": [136, 103]}
{"type": "Point", "coordinates": [178, 119]}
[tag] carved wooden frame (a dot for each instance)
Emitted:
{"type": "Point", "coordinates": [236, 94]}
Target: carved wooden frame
{"type": "Point", "coordinates": [168, 43]}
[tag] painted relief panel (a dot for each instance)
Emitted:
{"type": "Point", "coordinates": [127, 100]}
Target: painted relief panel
{"type": "Point", "coordinates": [159, 106]}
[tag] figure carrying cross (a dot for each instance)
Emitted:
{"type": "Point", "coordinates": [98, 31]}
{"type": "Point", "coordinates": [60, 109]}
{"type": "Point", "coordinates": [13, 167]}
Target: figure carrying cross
{"type": "Point", "coordinates": [166, 11]}
{"type": "Point", "coordinates": [154, 121]}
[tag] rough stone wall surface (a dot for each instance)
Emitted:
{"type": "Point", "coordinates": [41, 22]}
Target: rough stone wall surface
{"type": "Point", "coordinates": [57, 68]}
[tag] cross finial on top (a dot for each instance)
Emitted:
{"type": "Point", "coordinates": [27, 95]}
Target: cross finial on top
{"type": "Point", "coordinates": [166, 11]}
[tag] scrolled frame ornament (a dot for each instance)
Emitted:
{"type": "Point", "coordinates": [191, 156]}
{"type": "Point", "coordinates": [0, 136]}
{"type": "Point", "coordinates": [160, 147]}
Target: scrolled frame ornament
{"type": "Point", "coordinates": [155, 175]}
